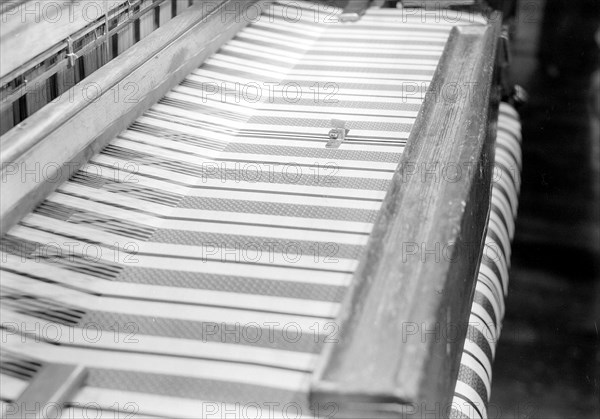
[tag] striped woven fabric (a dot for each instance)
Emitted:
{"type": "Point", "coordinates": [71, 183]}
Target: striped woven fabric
{"type": "Point", "coordinates": [474, 382]}
{"type": "Point", "coordinates": [196, 265]}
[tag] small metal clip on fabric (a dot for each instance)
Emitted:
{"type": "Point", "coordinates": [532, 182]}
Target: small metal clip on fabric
{"type": "Point", "coordinates": [337, 134]}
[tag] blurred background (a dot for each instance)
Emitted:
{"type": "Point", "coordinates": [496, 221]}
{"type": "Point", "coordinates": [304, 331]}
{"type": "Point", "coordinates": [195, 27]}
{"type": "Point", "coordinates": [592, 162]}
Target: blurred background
{"type": "Point", "coordinates": [548, 360]}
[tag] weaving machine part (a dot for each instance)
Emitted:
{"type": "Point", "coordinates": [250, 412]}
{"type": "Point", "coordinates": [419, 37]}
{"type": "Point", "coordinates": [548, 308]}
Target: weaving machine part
{"type": "Point", "coordinates": [197, 264]}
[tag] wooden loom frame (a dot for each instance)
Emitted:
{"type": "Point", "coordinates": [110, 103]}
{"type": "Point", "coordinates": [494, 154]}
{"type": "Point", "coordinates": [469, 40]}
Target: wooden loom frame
{"type": "Point", "coordinates": [388, 362]}
{"type": "Point", "coordinates": [376, 369]}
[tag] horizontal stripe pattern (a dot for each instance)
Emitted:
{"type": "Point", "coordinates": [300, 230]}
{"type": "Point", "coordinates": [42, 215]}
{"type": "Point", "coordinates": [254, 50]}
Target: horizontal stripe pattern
{"type": "Point", "coordinates": [472, 392]}
{"type": "Point", "coordinates": [198, 262]}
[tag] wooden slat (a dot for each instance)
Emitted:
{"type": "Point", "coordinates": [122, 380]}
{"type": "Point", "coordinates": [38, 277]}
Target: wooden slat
{"type": "Point", "coordinates": [47, 394]}
{"type": "Point", "coordinates": [63, 134]}
{"type": "Point", "coordinates": [420, 266]}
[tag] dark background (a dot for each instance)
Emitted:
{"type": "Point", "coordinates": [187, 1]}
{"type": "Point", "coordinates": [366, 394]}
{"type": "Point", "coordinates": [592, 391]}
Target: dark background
{"type": "Point", "coordinates": [548, 360]}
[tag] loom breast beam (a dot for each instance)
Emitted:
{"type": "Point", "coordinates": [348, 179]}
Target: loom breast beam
{"type": "Point", "coordinates": [67, 131]}
{"type": "Point", "coordinates": [378, 368]}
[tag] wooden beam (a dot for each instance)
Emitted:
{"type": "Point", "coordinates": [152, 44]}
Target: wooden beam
{"type": "Point", "coordinates": [44, 150]}
{"type": "Point", "coordinates": [46, 396]}
{"type": "Point", "coordinates": [412, 289]}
